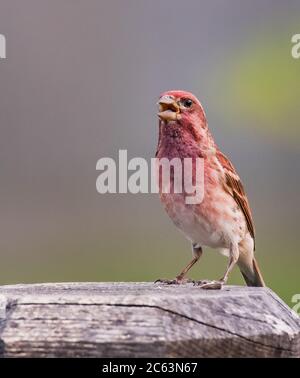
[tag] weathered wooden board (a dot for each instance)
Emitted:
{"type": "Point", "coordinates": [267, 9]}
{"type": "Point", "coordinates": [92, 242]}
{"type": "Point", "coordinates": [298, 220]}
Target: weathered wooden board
{"type": "Point", "coordinates": [144, 320]}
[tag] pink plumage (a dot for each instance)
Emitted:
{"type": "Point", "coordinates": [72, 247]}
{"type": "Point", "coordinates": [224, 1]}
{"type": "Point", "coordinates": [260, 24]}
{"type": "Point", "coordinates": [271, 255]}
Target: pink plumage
{"type": "Point", "coordinates": [223, 219]}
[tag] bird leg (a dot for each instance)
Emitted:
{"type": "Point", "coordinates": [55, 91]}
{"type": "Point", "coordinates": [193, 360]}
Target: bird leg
{"type": "Point", "coordinates": [180, 278]}
{"type": "Point", "coordinates": [218, 284]}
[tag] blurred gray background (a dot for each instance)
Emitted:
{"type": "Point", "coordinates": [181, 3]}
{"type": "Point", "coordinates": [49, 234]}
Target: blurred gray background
{"type": "Point", "coordinates": [81, 81]}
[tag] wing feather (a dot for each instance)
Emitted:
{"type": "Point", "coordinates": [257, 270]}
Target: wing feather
{"type": "Point", "coordinates": [234, 186]}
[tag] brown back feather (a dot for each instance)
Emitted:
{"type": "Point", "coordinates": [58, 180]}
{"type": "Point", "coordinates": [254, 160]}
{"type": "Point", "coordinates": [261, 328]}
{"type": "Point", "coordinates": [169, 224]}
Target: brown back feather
{"type": "Point", "coordinates": [234, 186]}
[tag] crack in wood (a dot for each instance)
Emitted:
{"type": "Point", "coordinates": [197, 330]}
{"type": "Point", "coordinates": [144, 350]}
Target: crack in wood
{"type": "Point", "coordinates": [270, 329]}
{"type": "Point", "coordinates": [162, 309]}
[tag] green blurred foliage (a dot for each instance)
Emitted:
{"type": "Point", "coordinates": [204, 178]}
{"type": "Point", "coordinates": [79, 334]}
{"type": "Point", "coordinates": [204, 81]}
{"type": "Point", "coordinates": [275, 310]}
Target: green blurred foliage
{"type": "Point", "coordinates": [146, 255]}
{"type": "Point", "coordinates": [263, 86]}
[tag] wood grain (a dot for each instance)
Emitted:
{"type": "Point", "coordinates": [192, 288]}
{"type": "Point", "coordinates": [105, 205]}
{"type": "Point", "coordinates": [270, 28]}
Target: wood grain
{"type": "Point", "coordinates": [144, 320]}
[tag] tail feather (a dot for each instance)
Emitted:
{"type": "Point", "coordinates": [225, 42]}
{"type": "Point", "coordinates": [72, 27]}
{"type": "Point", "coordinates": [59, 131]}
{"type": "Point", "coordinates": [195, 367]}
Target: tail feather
{"type": "Point", "coordinates": [252, 274]}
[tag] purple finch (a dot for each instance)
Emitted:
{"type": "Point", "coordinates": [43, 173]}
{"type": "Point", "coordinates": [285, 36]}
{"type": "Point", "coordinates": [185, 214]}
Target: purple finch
{"type": "Point", "coordinates": [223, 219]}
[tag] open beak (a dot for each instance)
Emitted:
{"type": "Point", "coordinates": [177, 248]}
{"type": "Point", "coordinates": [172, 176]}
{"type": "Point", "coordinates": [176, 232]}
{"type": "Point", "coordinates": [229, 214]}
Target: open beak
{"type": "Point", "coordinates": [168, 109]}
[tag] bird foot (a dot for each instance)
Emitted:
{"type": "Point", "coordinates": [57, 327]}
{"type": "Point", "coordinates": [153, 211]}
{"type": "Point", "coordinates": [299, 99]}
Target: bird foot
{"type": "Point", "coordinates": [175, 281]}
{"type": "Point", "coordinates": [209, 285]}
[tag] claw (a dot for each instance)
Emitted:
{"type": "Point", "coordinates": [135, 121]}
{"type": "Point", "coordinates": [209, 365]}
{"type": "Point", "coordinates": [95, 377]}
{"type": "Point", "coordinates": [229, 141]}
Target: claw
{"type": "Point", "coordinates": [176, 281]}
{"type": "Point", "coordinates": [209, 285]}
{"type": "Point", "coordinates": [166, 281]}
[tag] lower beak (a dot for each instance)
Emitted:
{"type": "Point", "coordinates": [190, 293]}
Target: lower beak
{"type": "Point", "coordinates": [168, 109]}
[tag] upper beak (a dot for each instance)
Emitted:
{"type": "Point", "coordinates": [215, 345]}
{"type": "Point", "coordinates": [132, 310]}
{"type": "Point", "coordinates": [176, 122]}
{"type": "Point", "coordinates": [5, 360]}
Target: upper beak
{"type": "Point", "coordinates": [168, 109]}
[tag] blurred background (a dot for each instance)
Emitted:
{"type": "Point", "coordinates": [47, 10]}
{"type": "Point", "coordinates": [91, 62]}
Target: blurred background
{"type": "Point", "coordinates": [81, 81]}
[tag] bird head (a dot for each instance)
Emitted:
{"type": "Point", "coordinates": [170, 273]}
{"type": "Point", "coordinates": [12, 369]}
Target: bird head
{"type": "Point", "coordinates": [181, 107]}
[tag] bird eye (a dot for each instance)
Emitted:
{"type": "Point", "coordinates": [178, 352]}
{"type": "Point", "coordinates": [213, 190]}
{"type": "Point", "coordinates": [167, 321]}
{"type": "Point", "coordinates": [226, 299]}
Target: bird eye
{"type": "Point", "coordinates": [187, 103]}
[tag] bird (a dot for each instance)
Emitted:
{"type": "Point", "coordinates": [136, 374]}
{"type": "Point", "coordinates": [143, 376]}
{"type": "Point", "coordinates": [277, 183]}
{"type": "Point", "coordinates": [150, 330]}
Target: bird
{"type": "Point", "coordinates": [223, 219]}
